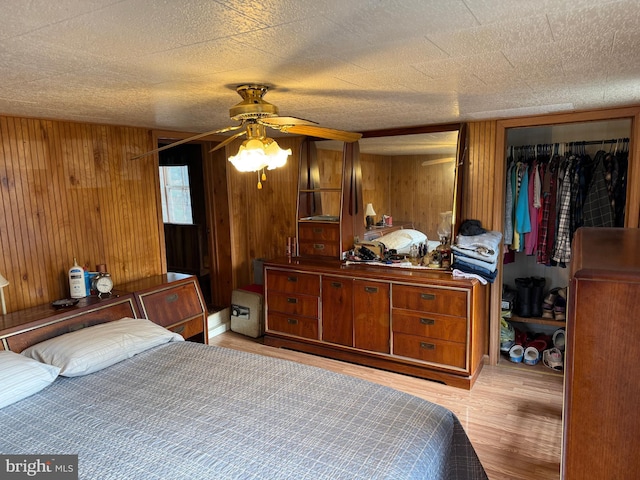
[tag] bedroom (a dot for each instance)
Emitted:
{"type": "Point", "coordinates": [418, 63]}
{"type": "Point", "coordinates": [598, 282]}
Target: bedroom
{"type": "Point", "coordinates": [68, 189]}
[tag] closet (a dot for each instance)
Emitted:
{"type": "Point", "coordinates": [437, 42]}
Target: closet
{"type": "Point", "coordinates": [578, 169]}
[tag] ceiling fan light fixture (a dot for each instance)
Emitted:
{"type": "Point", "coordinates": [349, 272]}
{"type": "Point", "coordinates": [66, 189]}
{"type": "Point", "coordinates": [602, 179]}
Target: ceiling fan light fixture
{"type": "Point", "coordinates": [257, 153]}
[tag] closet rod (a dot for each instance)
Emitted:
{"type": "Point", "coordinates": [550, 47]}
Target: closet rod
{"type": "Point", "coordinates": [578, 142]}
{"type": "Point", "coordinates": [597, 142]}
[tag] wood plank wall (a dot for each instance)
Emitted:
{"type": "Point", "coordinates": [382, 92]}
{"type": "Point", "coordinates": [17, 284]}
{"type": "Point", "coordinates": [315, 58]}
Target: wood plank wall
{"type": "Point", "coordinates": [261, 220]}
{"type": "Point", "coordinates": [69, 190]}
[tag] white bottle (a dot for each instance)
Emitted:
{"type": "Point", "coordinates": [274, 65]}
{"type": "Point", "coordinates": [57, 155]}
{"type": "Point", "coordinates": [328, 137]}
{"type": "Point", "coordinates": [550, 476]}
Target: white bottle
{"type": "Point", "coordinates": [77, 286]}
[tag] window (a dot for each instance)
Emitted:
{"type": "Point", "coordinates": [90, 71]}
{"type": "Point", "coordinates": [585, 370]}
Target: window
{"type": "Point", "coordinates": [176, 195]}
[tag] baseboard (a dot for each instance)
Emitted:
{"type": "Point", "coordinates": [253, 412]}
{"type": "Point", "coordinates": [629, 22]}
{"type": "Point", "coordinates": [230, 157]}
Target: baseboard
{"type": "Point", "coordinates": [219, 322]}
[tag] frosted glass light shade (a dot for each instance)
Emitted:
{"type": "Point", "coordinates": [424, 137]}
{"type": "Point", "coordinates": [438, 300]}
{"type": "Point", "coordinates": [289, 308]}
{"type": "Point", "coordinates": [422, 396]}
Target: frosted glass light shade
{"type": "Point", "coordinates": [257, 153]}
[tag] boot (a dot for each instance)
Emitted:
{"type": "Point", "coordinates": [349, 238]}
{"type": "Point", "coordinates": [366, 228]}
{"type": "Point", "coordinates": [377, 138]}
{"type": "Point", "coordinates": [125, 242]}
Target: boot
{"type": "Point", "coordinates": [537, 291]}
{"type": "Point", "coordinates": [524, 287]}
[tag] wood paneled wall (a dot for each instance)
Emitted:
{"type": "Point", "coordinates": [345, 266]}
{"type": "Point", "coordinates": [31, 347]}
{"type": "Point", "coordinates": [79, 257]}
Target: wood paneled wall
{"type": "Point", "coordinates": [261, 220]}
{"type": "Point", "coordinates": [69, 190]}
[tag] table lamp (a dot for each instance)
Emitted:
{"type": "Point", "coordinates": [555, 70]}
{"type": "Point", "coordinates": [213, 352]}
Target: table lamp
{"type": "Point", "coordinates": [3, 283]}
{"type": "Point", "coordinates": [369, 213]}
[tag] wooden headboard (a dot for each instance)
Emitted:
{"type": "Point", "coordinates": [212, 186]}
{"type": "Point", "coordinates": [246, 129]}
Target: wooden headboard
{"type": "Point", "coordinates": [20, 330]}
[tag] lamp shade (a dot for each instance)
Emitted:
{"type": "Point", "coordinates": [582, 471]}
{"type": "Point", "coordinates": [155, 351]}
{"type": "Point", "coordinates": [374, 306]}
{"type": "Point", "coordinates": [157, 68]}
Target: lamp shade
{"type": "Point", "coordinates": [369, 211]}
{"type": "Point", "coordinates": [3, 283]}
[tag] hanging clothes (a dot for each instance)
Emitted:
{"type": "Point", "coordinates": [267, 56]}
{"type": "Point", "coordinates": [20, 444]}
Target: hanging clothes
{"type": "Point", "coordinates": [522, 221]}
{"type": "Point", "coordinates": [597, 210]}
{"type": "Point", "coordinates": [531, 238]}
{"type": "Point", "coordinates": [508, 206]}
{"type": "Point", "coordinates": [562, 249]}
{"type": "Point", "coordinates": [549, 195]}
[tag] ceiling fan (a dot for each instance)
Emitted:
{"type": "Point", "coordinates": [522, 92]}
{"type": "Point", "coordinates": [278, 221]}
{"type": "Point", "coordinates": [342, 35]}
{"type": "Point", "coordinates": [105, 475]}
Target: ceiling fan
{"type": "Point", "coordinates": [254, 114]}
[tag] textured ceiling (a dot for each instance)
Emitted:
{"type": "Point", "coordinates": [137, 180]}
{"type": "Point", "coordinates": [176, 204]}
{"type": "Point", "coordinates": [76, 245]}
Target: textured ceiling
{"type": "Point", "coordinates": [348, 64]}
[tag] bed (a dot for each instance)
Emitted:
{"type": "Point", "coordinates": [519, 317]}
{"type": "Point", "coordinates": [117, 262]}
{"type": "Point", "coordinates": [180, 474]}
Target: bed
{"type": "Point", "coordinates": [173, 409]}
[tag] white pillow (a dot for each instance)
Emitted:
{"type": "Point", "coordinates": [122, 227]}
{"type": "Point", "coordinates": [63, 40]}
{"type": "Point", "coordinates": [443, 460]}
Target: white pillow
{"type": "Point", "coordinates": [21, 377]}
{"type": "Point", "coordinates": [401, 240]}
{"type": "Point", "coordinates": [94, 348]}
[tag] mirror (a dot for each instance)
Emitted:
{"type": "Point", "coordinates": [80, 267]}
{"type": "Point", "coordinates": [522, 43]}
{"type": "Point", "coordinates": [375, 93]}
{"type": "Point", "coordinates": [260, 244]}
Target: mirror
{"type": "Point", "coordinates": [409, 174]}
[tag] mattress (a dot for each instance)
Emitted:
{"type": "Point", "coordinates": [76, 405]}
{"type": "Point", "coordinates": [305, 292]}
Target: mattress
{"type": "Point", "coordinates": [191, 411]}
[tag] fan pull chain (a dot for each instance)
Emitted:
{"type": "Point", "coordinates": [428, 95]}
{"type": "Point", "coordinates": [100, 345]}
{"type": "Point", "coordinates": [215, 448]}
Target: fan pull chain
{"type": "Point", "coordinates": [259, 182]}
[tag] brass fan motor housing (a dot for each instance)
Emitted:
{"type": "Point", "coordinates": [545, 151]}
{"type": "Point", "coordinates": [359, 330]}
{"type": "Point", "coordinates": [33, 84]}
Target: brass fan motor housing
{"type": "Point", "coordinates": [252, 106]}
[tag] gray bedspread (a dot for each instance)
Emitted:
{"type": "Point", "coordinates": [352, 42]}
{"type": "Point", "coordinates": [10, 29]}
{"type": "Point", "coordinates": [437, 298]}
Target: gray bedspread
{"type": "Point", "coordinates": [191, 411]}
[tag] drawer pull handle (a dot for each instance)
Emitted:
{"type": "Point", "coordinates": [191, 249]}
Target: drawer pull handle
{"type": "Point", "coordinates": [427, 296]}
{"type": "Point", "coordinates": [427, 346]}
{"type": "Point", "coordinates": [292, 321]}
{"type": "Point", "coordinates": [292, 279]}
{"type": "Point", "coordinates": [427, 321]}
{"type": "Point", "coordinates": [336, 284]}
{"type": "Point", "coordinates": [292, 300]}
{"type": "Point", "coordinates": [179, 329]}
{"type": "Point", "coordinates": [371, 289]}
{"type": "Point", "coordinates": [171, 298]}
{"type": "Point", "coordinates": [318, 230]}
{"type": "Point", "coordinates": [318, 246]}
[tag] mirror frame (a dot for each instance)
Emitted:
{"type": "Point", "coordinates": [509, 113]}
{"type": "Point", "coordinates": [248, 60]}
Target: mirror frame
{"type": "Point", "coordinates": [461, 155]}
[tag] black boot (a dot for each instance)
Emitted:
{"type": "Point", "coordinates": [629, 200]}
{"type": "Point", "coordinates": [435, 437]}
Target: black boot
{"type": "Point", "coordinates": [524, 287]}
{"type": "Point", "coordinates": [537, 291]}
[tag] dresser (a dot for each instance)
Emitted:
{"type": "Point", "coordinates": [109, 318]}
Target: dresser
{"type": "Point", "coordinates": [413, 321]}
{"type": "Point", "coordinates": [602, 386]}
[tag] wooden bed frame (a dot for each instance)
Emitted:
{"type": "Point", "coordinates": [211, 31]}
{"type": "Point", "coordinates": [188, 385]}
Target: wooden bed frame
{"type": "Point", "coordinates": [172, 300]}
{"type": "Point", "coordinates": [43, 323]}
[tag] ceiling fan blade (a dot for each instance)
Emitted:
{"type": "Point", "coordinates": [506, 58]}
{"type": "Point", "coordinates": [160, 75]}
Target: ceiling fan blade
{"type": "Point", "coordinates": [282, 121]}
{"type": "Point", "coordinates": [186, 140]}
{"type": "Point", "coordinates": [323, 132]}
{"type": "Point", "coordinates": [227, 141]}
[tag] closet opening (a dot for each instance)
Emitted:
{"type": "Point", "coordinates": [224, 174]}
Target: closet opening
{"type": "Point", "coordinates": [558, 178]}
{"type": "Point", "coordinates": [582, 146]}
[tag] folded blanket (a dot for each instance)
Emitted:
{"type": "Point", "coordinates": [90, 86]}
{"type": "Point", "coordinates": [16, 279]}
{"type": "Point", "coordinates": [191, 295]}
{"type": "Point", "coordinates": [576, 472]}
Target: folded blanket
{"type": "Point", "coordinates": [460, 274]}
{"type": "Point", "coordinates": [475, 266]}
{"type": "Point", "coordinates": [490, 277]}
{"type": "Point", "coordinates": [471, 258]}
{"type": "Point", "coordinates": [484, 245]}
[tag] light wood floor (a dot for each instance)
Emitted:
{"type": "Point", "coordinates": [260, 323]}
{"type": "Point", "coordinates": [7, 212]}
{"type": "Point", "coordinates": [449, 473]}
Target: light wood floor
{"type": "Point", "coordinates": [513, 417]}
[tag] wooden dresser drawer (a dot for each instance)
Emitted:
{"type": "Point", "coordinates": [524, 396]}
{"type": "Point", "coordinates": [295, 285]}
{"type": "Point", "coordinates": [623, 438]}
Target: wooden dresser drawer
{"type": "Point", "coordinates": [434, 300]}
{"type": "Point", "coordinates": [322, 231]}
{"type": "Point", "coordinates": [320, 247]}
{"type": "Point", "coordinates": [171, 305]}
{"type": "Point", "coordinates": [188, 329]}
{"type": "Point", "coordinates": [293, 325]}
{"type": "Point", "coordinates": [429, 349]}
{"type": "Point", "coordinates": [293, 304]}
{"type": "Point", "coordinates": [453, 329]}
{"type": "Point", "coordinates": [293, 282]}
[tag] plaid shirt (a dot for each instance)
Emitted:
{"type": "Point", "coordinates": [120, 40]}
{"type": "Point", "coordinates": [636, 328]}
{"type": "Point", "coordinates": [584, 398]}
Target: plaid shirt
{"type": "Point", "coordinates": [562, 248]}
{"type": "Point", "coordinates": [597, 206]}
